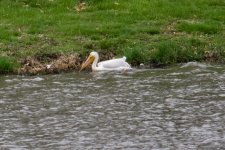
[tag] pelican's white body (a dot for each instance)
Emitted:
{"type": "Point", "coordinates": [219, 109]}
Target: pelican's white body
{"type": "Point", "coordinates": [118, 64]}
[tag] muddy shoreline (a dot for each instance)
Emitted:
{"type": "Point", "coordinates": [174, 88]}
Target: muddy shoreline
{"type": "Point", "coordinates": [59, 63]}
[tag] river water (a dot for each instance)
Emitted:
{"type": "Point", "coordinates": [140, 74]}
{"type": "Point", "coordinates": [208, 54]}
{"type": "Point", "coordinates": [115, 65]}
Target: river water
{"type": "Point", "coordinates": [181, 107]}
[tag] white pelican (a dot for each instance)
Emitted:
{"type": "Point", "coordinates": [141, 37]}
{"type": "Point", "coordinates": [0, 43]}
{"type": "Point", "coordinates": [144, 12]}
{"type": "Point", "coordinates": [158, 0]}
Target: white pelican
{"type": "Point", "coordinates": [118, 64]}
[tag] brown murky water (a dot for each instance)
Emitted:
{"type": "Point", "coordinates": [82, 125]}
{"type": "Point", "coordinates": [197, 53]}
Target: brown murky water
{"type": "Point", "coordinates": [175, 108]}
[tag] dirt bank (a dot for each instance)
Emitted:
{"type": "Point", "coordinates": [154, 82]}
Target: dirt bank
{"type": "Point", "coordinates": [54, 63]}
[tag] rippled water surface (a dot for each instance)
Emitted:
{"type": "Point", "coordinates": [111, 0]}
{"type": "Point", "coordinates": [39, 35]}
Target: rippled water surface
{"type": "Point", "coordinates": [173, 108]}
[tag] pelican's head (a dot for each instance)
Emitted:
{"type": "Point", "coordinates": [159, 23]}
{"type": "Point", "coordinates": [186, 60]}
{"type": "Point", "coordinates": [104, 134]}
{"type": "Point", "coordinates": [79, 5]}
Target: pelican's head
{"type": "Point", "coordinates": [89, 60]}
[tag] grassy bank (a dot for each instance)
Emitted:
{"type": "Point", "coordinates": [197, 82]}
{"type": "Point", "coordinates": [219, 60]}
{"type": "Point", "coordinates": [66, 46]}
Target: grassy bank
{"type": "Point", "coordinates": [158, 32]}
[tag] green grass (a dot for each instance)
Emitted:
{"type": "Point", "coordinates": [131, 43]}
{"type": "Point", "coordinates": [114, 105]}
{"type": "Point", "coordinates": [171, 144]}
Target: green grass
{"type": "Point", "coordinates": [7, 65]}
{"type": "Point", "coordinates": [169, 52]}
{"type": "Point", "coordinates": [156, 31]}
{"type": "Point", "coordinates": [198, 27]}
{"type": "Point", "coordinates": [135, 55]}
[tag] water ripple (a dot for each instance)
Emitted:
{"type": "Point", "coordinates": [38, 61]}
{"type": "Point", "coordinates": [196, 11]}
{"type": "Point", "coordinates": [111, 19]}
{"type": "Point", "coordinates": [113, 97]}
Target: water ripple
{"type": "Point", "coordinates": [173, 108]}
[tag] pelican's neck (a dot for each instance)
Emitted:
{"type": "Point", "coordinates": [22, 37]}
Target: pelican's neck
{"type": "Point", "coordinates": [95, 62]}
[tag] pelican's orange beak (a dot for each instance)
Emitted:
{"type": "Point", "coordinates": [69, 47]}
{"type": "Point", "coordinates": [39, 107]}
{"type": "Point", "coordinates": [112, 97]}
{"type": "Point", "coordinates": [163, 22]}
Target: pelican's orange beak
{"type": "Point", "coordinates": [89, 60]}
